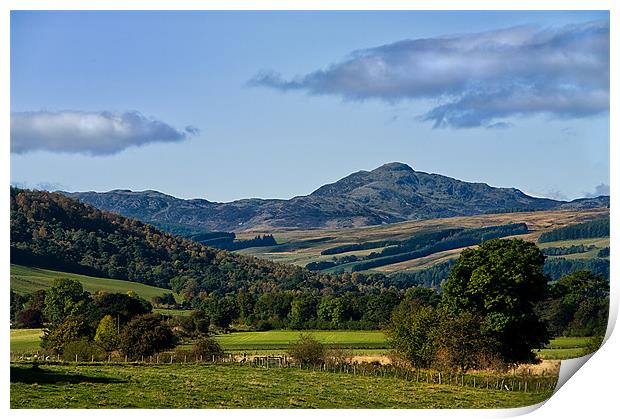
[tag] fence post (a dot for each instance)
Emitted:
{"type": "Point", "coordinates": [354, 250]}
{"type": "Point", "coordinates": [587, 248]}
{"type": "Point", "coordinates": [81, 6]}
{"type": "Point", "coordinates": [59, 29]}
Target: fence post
{"type": "Point", "coordinates": [75, 357]}
{"type": "Point", "coordinates": [125, 358]}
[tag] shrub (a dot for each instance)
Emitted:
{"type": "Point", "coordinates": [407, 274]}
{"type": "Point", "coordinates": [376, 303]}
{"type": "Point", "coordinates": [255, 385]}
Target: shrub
{"type": "Point", "coordinates": [84, 349]}
{"type": "Point", "coordinates": [146, 335]}
{"type": "Point", "coordinates": [30, 318]}
{"type": "Point", "coordinates": [307, 350]}
{"type": "Point", "coordinates": [337, 356]}
{"type": "Point", "coordinates": [207, 348]}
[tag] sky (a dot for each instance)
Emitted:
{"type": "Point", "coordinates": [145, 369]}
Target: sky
{"type": "Point", "coordinates": [231, 105]}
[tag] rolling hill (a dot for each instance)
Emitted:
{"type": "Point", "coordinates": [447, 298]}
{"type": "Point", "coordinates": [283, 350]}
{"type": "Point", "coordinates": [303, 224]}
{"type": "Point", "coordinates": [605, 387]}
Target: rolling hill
{"type": "Point", "coordinates": [25, 279]}
{"type": "Point", "coordinates": [388, 194]}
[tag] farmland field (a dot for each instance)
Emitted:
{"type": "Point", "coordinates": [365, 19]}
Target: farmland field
{"type": "Point", "coordinates": [280, 339]}
{"type": "Point", "coordinates": [27, 279]}
{"type": "Point", "coordinates": [234, 386]}
{"type": "Point", "coordinates": [301, 247]}
{"type": "Point", "coordinates": [25, 340]}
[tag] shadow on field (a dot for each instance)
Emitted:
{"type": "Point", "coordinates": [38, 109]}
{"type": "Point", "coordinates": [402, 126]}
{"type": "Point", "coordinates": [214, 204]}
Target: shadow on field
{"type": "Point", "coordinates": [30, 375]}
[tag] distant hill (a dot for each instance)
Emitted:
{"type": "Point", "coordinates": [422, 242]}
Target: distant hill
{"type": "Point", "coordinates": [391, 193]}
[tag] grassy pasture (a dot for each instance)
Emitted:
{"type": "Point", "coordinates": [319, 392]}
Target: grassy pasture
{"type": "Point", "coordinates": [25, 340]}
{"type": "Point", "coordinates": [234, 386]}
{"type": "Point", "coordinates": [26, 279]}
{"type": "Point", "coordinates": [280, 339]}
{"type": "Point", "coordinates": [312, 242]}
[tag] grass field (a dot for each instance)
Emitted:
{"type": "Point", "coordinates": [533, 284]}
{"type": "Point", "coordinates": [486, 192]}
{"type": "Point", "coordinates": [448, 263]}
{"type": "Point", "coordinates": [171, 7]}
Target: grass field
{"type": "Point", "coordinates": [301, 247]}
{"type": "Point", "coordinates": [362, 342]}
{"type": "Point", "coordinates": [280, 339]}
{"type": "Point", "coordinates": [26, 279]}
{"type": "Point", "coordinates": [565, 348]}
{"type": "Point", "coordinates": [25, 340]}
{"type": "Point", "coordinates": [233, 386]}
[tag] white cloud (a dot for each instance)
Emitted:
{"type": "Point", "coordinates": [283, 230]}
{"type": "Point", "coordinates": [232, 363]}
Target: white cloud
{"type": "Point", "coordinates": [478, 78]}
{"type": "Point", "coordinates": [94, 133]}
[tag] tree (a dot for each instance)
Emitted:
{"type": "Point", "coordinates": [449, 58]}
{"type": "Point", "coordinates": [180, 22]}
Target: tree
{"type": "Point", "coordinates": [307, 350]}
{"type": "Point", "coordinates": [332, 310]}
{"type": "Point", "coordinates": [30, 318]}
{"type": "Point", "coordinates": [73, 328]}
{"type": "Point", "coordinates": [411, 333]}
{"type": "Point", "coordinates": [221, 310]}
{"type": "Point", "coordinates": [146, 335]}
{"type": "Point", "coordinates": [303, 310]}
{"type": "Point", "coordinates": [578, 305]}
{"type": "Point", "coordinates": [106, 335]}
{"type": "Point", "coordinates": [500, 282]}
{"type": "Point", "coordinates": [65, 297]}
{"type": "Point", "coordinates": [121, 307]}
{"type": "Point", "coordinates": [17, 303]}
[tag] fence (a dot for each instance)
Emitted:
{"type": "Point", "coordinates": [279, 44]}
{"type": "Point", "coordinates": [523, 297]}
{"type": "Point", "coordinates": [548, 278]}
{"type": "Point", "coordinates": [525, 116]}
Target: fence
{"type": "Point", "coordinates": [523, 383]}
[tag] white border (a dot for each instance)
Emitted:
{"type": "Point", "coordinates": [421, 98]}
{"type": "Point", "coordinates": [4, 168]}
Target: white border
{"type": "Point", "coordinates": [592, 393]}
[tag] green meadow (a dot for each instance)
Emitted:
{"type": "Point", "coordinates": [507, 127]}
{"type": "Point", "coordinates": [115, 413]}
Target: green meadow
{"type": "Point", "coordinates": [235, 386]}
{"type": "Point", "coordinates": [26, 279]}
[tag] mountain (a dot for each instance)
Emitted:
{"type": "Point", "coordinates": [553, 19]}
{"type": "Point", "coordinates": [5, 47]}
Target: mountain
{"type": "Point", "coordinates": [391, 193]}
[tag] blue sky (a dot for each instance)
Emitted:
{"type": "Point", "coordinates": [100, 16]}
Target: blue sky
{"type": "Point", "coordinates": [229, 105]}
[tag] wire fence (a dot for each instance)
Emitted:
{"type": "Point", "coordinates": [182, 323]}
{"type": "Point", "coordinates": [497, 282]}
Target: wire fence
{"type": "Point", "coordinates": [491, 381]}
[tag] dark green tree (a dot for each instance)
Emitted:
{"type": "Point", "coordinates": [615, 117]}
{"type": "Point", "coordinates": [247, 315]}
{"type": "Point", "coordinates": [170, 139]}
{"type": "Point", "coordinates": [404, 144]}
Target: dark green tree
{"type": "Point", "coordinates": [146, 335]}
{"type": "Point", "coordinates": [500, 282]}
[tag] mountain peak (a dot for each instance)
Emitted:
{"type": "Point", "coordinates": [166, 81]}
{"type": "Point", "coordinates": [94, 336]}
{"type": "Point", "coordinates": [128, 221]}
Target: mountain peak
{"type": "Point", "coordinates": [393, 167]}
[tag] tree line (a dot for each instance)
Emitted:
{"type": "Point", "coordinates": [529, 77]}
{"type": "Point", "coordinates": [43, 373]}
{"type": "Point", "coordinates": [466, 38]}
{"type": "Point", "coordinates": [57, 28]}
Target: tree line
{"type": "Point", "coordinates": [590, 229]}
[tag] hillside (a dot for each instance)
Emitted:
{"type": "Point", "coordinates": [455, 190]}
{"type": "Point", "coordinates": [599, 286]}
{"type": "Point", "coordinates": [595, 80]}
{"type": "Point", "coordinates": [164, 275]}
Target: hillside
{"type": "Point", "coordinates": [302, 247]}
{"type": "Point", "coordinates": [49, 230]}
{"type": "Point", "coordinates": [26, 279]}
{"type": "Point", "coordinates": [389, 194]}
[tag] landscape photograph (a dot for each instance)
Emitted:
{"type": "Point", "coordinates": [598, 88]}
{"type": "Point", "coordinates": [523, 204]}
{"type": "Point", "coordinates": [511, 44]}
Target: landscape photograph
{"type": "Point", "coordinates": [306, 209]}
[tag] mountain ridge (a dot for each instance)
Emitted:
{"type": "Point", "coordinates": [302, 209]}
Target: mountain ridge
{"type": "Point", "coordinates": [393, 192]}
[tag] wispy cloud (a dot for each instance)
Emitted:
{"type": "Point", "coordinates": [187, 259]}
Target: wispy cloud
{"type": "Point", "coordinates": [602, 189]}
{"type": "Point", "coordinates": [476, 78]}
{"type": "Point", "coordinates": [94, 133]}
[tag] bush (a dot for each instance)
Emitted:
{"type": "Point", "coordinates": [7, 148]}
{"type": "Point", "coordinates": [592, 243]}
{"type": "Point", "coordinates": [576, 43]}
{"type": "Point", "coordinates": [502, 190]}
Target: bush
{"type": "Point", "coordinates": [337, 356]}
{"type": "Point", "coordinates": [207, 348]}
{"type": "Point", "coordinates": [30, 318]}
{"type": "Point", "coordinates": [84, 349]}
{"type": "Point", "coordinates": [307, 350]}
{"type": "Point", "coordinates": [146, 335]}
